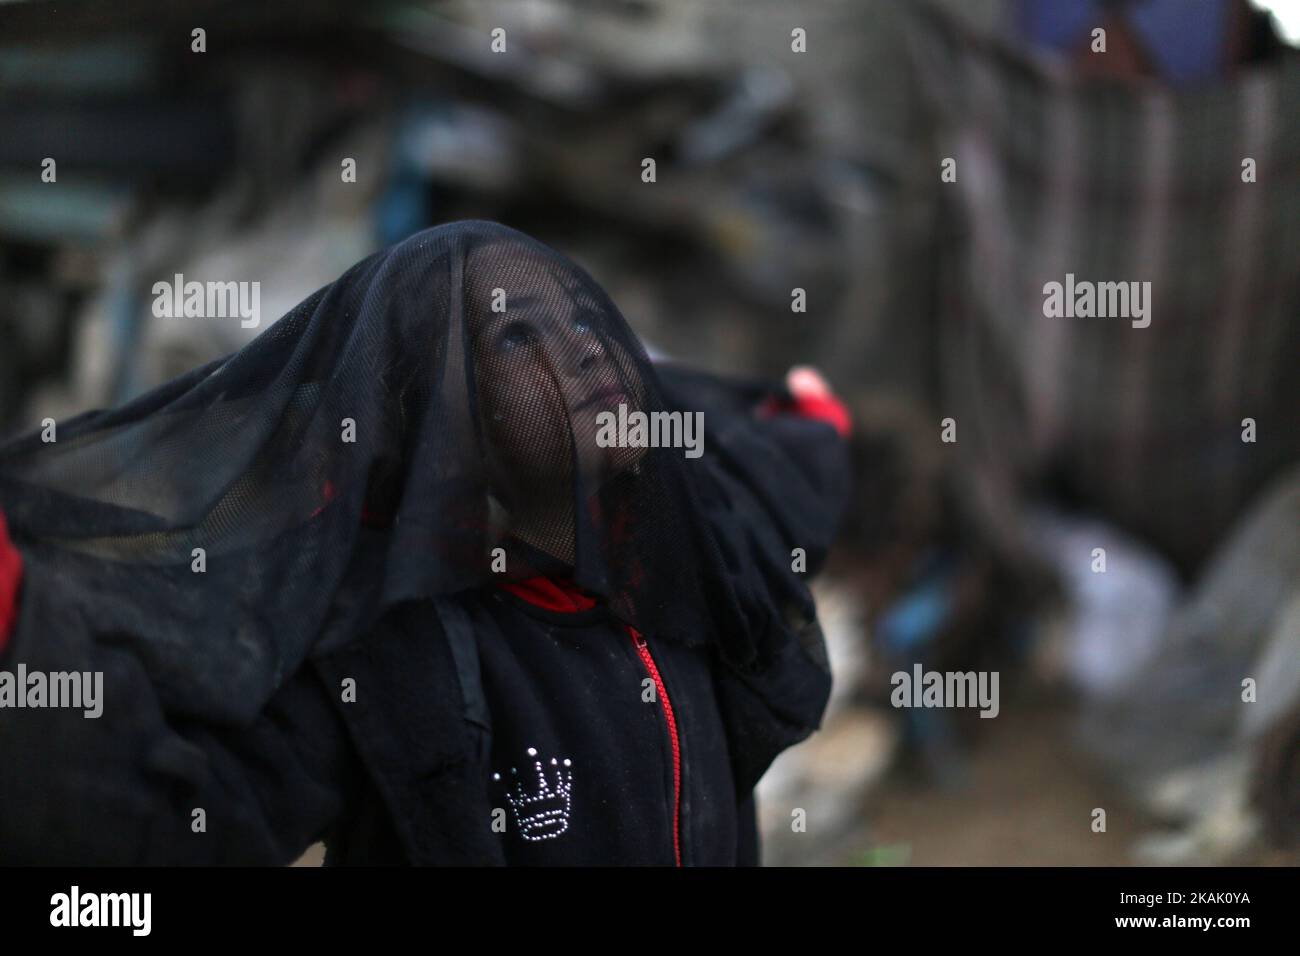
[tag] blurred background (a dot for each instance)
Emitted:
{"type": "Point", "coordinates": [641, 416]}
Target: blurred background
{"type": "Point", "coordinates": [880, 188]}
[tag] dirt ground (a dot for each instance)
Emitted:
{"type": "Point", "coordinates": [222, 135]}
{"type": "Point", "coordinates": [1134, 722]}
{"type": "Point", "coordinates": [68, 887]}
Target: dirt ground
{"type": "Point", "coordinates": [1027, 800]}
{"type": "Point", "coordinates": [1022, 803]}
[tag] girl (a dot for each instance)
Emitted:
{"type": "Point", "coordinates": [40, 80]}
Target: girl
{"type": "Point", "coordinates": [385, 578]}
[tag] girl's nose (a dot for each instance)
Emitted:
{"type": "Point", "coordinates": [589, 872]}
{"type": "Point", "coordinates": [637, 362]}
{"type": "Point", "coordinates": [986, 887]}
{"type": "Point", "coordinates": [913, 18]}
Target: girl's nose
{"type": "Point", "coordinates": [584, 351]}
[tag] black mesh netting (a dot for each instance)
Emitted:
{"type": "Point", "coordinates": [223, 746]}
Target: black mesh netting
{"type": "Point", "coordinates": [379, 443]}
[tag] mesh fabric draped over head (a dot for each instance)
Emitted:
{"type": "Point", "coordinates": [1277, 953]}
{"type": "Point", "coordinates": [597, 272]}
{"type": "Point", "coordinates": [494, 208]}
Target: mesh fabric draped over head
{"type": "Point", "coordinates": [379, 443]}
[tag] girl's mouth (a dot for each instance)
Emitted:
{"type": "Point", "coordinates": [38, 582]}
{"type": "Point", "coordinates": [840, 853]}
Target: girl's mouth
{"type": "Point", "coordinates": [608, 397]}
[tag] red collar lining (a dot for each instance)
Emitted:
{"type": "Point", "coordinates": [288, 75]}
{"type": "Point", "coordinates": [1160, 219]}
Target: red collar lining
{"type": "Point", "coordinates": [551, 594]}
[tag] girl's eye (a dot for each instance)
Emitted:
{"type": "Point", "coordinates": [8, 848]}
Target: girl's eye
{"type": "Point", "coordinates": [515, 335]}
{"type": "Point", "coordinates": [581, 326]}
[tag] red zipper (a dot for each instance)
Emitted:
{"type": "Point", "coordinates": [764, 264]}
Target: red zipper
{"type": "Point", "coordinates": [643, 649]}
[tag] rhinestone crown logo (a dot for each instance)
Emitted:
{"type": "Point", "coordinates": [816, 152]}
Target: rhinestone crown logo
{"type": "Point", "coordinates": [542, 809]}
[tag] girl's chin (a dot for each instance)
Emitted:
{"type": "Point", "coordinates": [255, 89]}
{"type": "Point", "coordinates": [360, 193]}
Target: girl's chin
{"type": "Point", "coordinates": [603, 465]}
{"type": "Point", "coordinates": [620, 460]}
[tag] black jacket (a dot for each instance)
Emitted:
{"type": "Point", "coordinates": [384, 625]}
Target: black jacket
{"type": "Point", "coordinates": [569, 686]}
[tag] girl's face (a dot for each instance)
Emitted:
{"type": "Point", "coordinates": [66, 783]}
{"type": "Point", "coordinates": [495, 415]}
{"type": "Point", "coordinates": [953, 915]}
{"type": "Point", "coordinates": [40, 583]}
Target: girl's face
{"type": "Point", "coordinates": [546, 367]}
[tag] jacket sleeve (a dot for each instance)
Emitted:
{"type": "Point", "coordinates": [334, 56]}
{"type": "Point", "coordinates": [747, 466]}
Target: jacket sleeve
{"type": "Point", "coordinates": [134, 785]}
{"type": "Point", "coordinates": [779, 461]}
{"type": "Point", "coordinates": [772, 487]}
